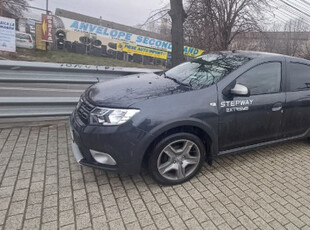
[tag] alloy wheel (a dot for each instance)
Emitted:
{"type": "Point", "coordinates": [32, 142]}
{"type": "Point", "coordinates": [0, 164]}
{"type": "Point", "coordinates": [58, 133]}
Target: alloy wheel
{"type": "Point", "coordinates": [178, 159]}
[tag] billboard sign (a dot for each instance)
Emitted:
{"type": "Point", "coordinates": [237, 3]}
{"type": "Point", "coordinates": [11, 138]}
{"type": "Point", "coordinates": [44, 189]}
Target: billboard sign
{"type": "Point", "coordinates": [47, 28]}
{"type": "Point", "coordinates": [7, 34]}
{"type": "Point", "coordinates": [109, 34]}
{"type": "Point", "coordinates": [40, 45]}
{"type": "Point", "coordinates": [144, 51]}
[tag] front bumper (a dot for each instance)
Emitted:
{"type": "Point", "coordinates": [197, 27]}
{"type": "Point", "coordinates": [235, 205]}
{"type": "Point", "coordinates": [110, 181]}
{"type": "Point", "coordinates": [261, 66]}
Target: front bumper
{"type": "Point", "coordinates": [120, 142]}
{"type": "Point", "coordinates": [76, 152]}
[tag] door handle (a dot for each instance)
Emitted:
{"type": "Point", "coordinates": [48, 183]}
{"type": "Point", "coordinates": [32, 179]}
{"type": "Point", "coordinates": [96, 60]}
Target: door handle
{"type": "Point", "coordinates": [277, 107]}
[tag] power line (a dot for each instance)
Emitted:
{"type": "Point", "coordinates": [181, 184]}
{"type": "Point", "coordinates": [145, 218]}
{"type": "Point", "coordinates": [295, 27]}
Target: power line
{"type": "Point", "coordinates": [281, 19]}
{"type": "Point", "coordinates": [301, 6]}
{"type": "Point", "coordinates": [305, 2]}
{"type": "Point", "coordinates": [287, 16]}
{"type": "Point", "coordinates": [295, 14]}
{"type": "Point", "coordinates": [299, 3]}
{"type": "Point", "coordinates": [291, 11]}
{"type": "Point", "coordinates": [284, 14]}
{"type": "Point", "coordinates": [287, 12]}
{"type": "Point", "coordinates": [275, 16]}
{"type": "Point", "coordinates": [286, 3]}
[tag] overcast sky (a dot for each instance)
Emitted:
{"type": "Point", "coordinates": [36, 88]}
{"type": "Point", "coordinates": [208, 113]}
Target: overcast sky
{"type": "Point", "coordinates": [128, 12]}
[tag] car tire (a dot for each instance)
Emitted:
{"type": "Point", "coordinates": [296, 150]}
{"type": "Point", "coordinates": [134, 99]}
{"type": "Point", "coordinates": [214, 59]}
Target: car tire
{"type": "Point", "coordinates": [176, 158]}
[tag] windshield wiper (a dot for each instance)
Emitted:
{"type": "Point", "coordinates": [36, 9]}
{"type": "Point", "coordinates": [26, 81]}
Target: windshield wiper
{"type": "Point", "coordinates": [175, 80]}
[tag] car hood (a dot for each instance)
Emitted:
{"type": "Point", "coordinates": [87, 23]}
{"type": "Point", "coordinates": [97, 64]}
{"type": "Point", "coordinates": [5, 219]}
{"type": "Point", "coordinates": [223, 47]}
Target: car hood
{"type": "Point", "coordinates": [125, 91]}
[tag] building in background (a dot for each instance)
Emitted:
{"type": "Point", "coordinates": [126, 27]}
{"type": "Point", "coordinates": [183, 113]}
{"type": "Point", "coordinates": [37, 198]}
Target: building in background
{"type": "Point", "coordinates": [27, 25]}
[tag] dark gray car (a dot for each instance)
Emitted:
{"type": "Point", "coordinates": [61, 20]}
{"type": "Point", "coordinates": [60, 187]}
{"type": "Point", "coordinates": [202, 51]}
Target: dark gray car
{"type": "Point", "coordinates": [216, 104]}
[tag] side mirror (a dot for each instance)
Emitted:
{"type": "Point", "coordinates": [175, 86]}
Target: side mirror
{"type": "Point", "coordinates": [239, 90]}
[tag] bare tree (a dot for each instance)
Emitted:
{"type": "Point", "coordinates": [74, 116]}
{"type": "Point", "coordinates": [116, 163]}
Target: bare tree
{"type": "Point", "coordinates": [178, 16]}
{"type": "Point", "coordinates": [290, 39]}
{"type": "Point", "coordinates": [305, 53]}
{"type": "Point", "coordinates": [267, 40]}
{"type": "Point", "coordinates": [156, 15]}
{"type": "Point", "coordinates": [198, 28]}
{"type": "Point", "coordinates": [14, 8]}
{"type": "Point", "coordinates": [270, 39]}
{"type": "Point", "coordinates": [294, 31]}
{"type": "Point", "coordinates": [223, 20]}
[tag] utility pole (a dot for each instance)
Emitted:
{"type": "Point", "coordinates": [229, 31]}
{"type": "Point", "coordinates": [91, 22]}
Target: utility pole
{"type": "Point", "coordinates": [1, 7]}
{"type": "Point", "coordinates": [47, 44]}
{"type": "Point", "coordinates": [178, 16]}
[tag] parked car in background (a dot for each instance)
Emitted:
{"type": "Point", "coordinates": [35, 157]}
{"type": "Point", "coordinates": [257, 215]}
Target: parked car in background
{"type": "Point", "coordinates": [24, 40]}
{"type": "Point", "coordinates": [214, 105]}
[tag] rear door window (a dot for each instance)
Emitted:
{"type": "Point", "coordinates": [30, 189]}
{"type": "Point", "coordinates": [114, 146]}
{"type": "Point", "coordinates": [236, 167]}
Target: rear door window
{"type": "Point", "coordinates": [299, 77]}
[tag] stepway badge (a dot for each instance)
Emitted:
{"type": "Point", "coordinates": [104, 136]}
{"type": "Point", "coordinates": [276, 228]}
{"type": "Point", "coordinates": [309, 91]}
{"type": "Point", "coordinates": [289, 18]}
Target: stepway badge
{"type": "Point", "coordinates": [237, 106]}
{"type": "Point", "coordinates": [7, 34]}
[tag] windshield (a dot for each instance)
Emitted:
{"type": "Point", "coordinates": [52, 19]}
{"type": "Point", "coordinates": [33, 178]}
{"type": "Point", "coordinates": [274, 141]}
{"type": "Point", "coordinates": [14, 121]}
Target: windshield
{"type": "Point", "coordinates": [206, 70]}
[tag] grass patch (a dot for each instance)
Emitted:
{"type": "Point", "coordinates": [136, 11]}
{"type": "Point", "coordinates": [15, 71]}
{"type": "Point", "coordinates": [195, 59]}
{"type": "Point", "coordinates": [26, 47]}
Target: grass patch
{"type": "Point", "coordinates": [66, 57]}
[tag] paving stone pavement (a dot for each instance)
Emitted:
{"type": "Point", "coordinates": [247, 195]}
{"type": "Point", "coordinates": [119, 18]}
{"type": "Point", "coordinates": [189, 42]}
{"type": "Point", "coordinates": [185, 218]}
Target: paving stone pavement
{"type": "Point", "coordinates": [42, 187]}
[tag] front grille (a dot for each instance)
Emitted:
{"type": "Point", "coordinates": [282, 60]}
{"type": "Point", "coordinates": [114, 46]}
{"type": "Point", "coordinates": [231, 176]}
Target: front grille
{"type": "Point", "coordinates": [84, 110]}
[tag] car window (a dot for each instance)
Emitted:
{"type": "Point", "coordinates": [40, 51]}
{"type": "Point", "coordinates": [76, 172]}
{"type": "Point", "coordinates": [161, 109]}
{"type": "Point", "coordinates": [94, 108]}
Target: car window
{"type": "Point", "coordinates": [207, 69]}
{"type": "Point", "coordinates": [262, 79]}
{"type": "Point", "coordinates": [23, 36]}
{"type": "Point", "coordinates": [299, 77]}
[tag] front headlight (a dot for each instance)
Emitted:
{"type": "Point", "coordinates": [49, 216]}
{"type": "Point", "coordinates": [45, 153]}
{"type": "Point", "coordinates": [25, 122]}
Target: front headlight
{"type": "Point", "coordinates": [106, 116]}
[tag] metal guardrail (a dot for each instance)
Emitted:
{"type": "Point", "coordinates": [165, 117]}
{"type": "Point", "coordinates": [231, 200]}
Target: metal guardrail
{"type": "Point", "coordinates": [39, 72]}
{"type": "Point", "coordinates": [36, 106]}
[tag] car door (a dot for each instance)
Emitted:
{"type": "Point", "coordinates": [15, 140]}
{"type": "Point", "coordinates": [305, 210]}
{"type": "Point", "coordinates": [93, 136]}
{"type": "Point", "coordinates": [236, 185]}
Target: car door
{"type": "Point", "coordinates": [254, 118]}
{"type": "Point", "coordinates": [296, 119]}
